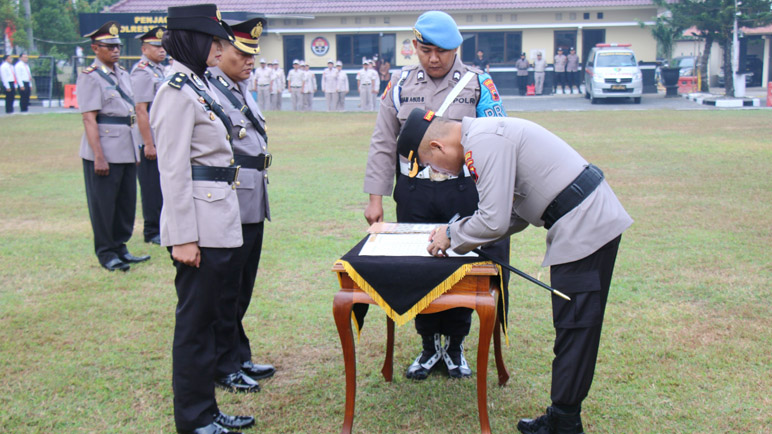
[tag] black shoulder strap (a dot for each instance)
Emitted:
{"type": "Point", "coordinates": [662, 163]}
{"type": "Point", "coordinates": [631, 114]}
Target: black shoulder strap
{"type": "Point", "coordinates": [214, 106]}
{"type": "Point", "coordinates": [117, 86]}
{"type": "Point", "coordinates": [237, 104]}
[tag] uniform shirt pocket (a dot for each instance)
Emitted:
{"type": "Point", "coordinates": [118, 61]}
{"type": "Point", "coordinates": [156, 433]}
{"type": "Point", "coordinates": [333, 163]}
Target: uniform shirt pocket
{"type": "Point", "coordinates": [246, 180]}
{"type": "Point", "coordinates": [210, 193]}
{"type": "Point", "coordinates": [584, 309]}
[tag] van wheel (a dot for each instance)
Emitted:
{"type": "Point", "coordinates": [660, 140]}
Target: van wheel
{"type": "Point", "coordinates": [586, 95]}
{"type": "Point", "coordinates": [637, 100]}
{"type": "Point", "coordinates": [593, 100]}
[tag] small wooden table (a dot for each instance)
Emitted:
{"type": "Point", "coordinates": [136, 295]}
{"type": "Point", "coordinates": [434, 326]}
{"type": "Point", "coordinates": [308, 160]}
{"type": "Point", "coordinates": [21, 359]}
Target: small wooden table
{"type": "Point", "coordinates": [477, 290]}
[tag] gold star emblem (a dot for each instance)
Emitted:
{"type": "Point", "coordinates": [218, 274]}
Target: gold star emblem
{"type": "Point", "coordinates": [159, 34]}
{"type": "Point", "coordinates": [418, 34]}
{"type": "Point", "coordinates": [257, 31]}
{"type": "Point", "coordinates": [113, 30]}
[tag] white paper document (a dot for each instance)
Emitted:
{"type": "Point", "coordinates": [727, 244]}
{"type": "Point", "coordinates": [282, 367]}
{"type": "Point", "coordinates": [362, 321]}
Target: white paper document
{"type": "Point", "coordinates": [400, 245]}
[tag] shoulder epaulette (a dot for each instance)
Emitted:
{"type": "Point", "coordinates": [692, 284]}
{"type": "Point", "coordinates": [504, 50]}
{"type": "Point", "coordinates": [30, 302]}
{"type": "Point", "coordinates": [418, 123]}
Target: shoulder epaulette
{"type": "Point", "coordinates": [121, 66]}
{"type": "Point", "coordinates": [89, 70]}
{"type": "Point", "coordinates": [474, 69]}
{"type": "Point", "coordinates": [177, 80]}
{"type": "Point", "coordinates": [142, 64]}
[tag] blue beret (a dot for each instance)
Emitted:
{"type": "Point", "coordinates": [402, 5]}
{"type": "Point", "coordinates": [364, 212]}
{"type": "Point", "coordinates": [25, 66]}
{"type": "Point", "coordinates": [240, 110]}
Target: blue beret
{"type": "Point", "coordinates": [437, 28]}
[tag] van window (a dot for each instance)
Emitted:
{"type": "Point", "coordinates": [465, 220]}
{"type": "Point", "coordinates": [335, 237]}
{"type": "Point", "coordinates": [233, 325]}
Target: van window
{"type": "Point", "coordinates": [614, 59]}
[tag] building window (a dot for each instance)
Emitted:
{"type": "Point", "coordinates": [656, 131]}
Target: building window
{"type": "Point", "coordinates": [357, 20]}
{"type": "Point", "coordinates": [484, 18]}
{"type": "Point", "coordinates": [565, 39]}
{"type": "Point", "coordinates": [586, 15]}
{"type": "Point", "coordinates": [513, 17]}
{"type": "Point", "coordinates": [469, 18]}
{"type": "Point", "coordinates": [299, 22]}
{"type": "Point", "coordinates": [600, 15]}
{"type": "Point", "coordinates": [501, 48]}
{"type": "Point", "coordinates": [287, 22]}
{"type": "Point", "coordinates": [352, 48]}
{"type": "Point", "coordinates": [343, 20]}
{"type": "Point", "coordinates": [499, 18]}
{"type": "Point", "coordinates": [386, 20]}
{"type": "Point", "coordinates": [572, 16]}
{"type": "Point", "coordinates": [559, 16]}
{"type": "Point", "coordinates": [372, 20]}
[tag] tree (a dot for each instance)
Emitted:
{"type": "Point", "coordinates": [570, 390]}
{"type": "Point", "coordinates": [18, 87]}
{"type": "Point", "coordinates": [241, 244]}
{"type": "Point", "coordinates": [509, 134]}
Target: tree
{"type": "Point", "coordinates": [665, 32]}
{"type": "Point", "coordinates": [12, 19]}
{"type": "Point", "coordinates": [714, 20]}
{"type": "Point", "coordinates": [54, 21]}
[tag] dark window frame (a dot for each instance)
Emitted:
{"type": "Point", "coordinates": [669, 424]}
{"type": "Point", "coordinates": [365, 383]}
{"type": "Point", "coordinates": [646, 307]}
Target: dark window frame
{"type": "Point", "coordinates": [511, 42]}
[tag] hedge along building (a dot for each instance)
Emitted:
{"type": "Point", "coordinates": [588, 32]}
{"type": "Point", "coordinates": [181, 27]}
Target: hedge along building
{"type": "Point", "coordinates": [349, 30]}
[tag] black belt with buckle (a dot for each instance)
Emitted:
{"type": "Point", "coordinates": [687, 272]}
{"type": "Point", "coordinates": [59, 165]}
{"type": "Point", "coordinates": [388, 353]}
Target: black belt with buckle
{"type": "Point", "coordinates": [212, 173]}
{"type": "Point", "coordinates": [261, 162]}
{"type": "Point", "coordinates": [117, 120]}
{"type": "Point", "coordinates": [573, 195]}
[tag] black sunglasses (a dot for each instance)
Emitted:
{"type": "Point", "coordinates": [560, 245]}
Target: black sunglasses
{"type": "Point", "coordinates": [110, 47]}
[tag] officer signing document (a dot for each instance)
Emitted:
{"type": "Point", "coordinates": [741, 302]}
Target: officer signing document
{"type": "Point", "coordinates": [525, 175]}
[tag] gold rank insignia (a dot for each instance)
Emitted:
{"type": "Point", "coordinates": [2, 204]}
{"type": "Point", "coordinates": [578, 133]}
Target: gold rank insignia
{"type": "Point", "coordinates": [219, 17]}
{"type": "Point", "coordinates": [418, 34]}
{"type": "Point", "coordinates": [242, 133]}
{"type": "Point", "coordinates": [104, 69]}
{"type": "Point", "coordinates": [114, 30]}
{"type": "Point", "coordinates": [222, 81]}
{"type": "Point", "coordinates": [257, 31]}
{"type": "Point", "coordinates": [197, 81]}
{"type": "Point", "coordinates": [159, 34]}
{"type": "Point", "coordinates": [211, 115]}
{"type": "Point", "coordinates": [201, 100]}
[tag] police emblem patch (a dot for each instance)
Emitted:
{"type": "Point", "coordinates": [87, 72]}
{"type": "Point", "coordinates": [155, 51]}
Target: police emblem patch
{"type": "Point", "coordinates": [488, 83]}
{"type": "Point", "coordinates": [469, 161]}
{"type": "Point", "coordinates": [159, 34]}
{"type": "Point", "coordinates": [420, 75]}
{"type": "Point", "coordinates": [456, 75]}
{"type": "Point", "coordinates": [257, 31]}
{"type": "Point", "coordinates": [386, 91]}
{"type": "Point", "coordinates": [114, 30]}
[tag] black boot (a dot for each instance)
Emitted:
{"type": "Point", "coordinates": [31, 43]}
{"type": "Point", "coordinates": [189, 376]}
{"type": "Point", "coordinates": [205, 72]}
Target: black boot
{"type": "Point", "coordinates": [431, 354]}
{"type": "Point", "coordinates": [556, 421]}
{"type": "Point", "coordinates": [453, 355]}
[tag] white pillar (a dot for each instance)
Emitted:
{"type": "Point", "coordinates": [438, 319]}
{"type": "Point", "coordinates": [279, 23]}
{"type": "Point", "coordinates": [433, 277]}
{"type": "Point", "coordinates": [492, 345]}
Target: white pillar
{"type": "Point", "coordinates": [766, 60]}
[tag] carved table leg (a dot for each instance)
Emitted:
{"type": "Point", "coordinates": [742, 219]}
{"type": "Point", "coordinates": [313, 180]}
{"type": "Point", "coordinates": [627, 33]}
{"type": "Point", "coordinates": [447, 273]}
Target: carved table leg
{"type": "Point", "coordinates": [388, 362]}
{"type": "Point", "coordinates": [486, 309]}
{"type": "Point", "coordinates": [341, 310]}
{"type": "Point", "coordinates": [501, 368]}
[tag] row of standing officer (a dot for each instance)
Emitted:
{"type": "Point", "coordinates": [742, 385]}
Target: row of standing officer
{"type": "Point", "coordinates": [268, 82]}
{"type": "Point", "coordinates": [335, 86]}
{"type": "Point", "coordinates": [202, 125]}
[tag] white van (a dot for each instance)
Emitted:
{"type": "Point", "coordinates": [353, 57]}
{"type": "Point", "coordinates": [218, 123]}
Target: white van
{"type": "Point", "coordinates": [612, 72]}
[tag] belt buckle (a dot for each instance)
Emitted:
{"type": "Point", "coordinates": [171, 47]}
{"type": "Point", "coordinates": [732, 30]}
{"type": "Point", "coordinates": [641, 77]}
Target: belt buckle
{"type": "Point", "coordinates": [267, 160]}
{"type": "Point", "coordinates": [236, 177]}
{"type": "Point", "coordinates": [132, 120]}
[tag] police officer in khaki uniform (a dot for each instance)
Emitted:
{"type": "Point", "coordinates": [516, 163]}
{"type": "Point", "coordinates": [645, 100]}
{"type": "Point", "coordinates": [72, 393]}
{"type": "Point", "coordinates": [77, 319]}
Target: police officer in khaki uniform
{"type": "Point", "coordinates": [329, 77]}
{"type": "Point", "coordinates": [263, 77]}
{"type": "Point", "coordinates": [441, 82]}
{"type": "Point", "coordinates": [526, 175]}
{"type": "Point", "coordinates": [376, 80]}
{"type": "Point", "coordinates": [365, 86]}
{"type": "Point", "coordinates": [108, 149]}
{"type": "Point", "coordinates": [309, 87]}
{"type": "Point", "coordinates": [277, 86]}
{"type": "Point", "coordinates": [560, 71]}
{"type": "Point", "coordinates": [342, 85]}
{"type": "Point", "coordinates": [200, 220]}
{"type": "Point", "coordinates": [572, 70]}
{"type": "Point", "coordinates": [229, 80]}
{"type": "Point", "coordinates": [295, 85]}
{"type": "Point", "coordinates": [146, 77]}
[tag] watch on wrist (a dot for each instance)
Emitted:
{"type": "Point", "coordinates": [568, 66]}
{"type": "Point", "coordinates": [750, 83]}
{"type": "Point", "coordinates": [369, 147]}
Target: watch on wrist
{"type": "Point", "coordinates": [447, 231]}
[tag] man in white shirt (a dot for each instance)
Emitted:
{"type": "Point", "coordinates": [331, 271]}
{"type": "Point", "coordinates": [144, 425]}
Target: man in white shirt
{"type": "Point", "coordinates": [342, 86]}
{"type": "Point", "coordinates": [277, 85]}
{"type": "Point", "coordinates": [539, 66]}
{"type": "Point", "coordinates": [365, 86]}
{"type": "Point", "coordinates": [263, 76]}
{"type": "Point", "coordinates": [9, 82]}
{"type": "Point", "coordinates": [329, 77]}
{"type": "Point", "coordinates": [295, 85]}
{"type": "Point", "coordinates": [309, 88]}
{"type": "Point", "coordinates": [373, 71]}
{"type": "Point", "coordinates": [24, 79]}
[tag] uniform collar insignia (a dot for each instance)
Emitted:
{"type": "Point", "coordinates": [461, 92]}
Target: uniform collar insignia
{"type": "Point", "coordinates": [222, 81]}
{"type": "Point", "coordinates": [197, 81]}
{"type": "Point", "coordinates": [420, 75]}
{"type": "Point", "coordinates": [456, 75]}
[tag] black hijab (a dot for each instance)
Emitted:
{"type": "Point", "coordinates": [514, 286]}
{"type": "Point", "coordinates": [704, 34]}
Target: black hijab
{"type": "Point", "coordinates": [189, 48]}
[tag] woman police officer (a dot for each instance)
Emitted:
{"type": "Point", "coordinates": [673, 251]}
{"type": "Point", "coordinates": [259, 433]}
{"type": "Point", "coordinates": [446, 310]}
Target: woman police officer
{"type": "Point", "coordinates": [200, 220]}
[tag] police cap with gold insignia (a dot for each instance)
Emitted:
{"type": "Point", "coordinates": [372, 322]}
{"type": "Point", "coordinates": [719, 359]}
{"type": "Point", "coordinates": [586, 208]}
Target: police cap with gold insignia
{"type": "Point", "coordinates": [247, 34]}
{"type": "Point", "coordinates": [153, 36]}
{"type": "Point", "coordinates": [411, 134]}
{"type": "Point", "coordinates": [106, 34]}
{"type": "Point", "coordinates": [437, 28]}
{"type": "Point", "coordinates": [203, 18]}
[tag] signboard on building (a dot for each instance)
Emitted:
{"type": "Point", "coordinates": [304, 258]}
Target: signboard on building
{"type": "Point", "coordinates": [133, 24]}
{"type": "Point", "coordinates": [320, 46]}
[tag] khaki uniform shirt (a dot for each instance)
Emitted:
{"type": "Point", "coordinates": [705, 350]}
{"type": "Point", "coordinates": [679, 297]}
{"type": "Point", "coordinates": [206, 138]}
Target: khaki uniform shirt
{"type": "Point", "coordinates": [146, 78]}
{"type": "Point", "coordinates": [520, 167]}
{"type": "Point", "coordinates": [263, 76]}
{"type": "Point", "coordinates": [295, 78]}
{"type": "Point", "coordinates": [560, 63]}
{"type": "Point", "coordinates": [119, 142]}
{"type": "Point", "coordinates": [329, 78]}
{"type": "Point", "coordinates": [278, 81]}
{"type": "Point", "coordinates": [188, 133]}
{"type": "Point", "coordinates": [522, 67]}
{"type": "Point", "coordinates": [309, 82]}
{"type": "Point", "coordinates": [418, 91]}
{"type": "Point", "coordinates": [342, 84]}
{"type": "Point", "coordinates": [374, 78]}
{"type": "Point", "coordinates": [572, 63]}
{"type": "Point", "coordinates": [539, 65]}
{"type": "Point", "coordinates": [364, 77]}
{"type": "Point", "coordinates": [253, 184]}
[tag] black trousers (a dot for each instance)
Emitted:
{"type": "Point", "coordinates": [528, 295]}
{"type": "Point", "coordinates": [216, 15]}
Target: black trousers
{"type": "Point", "coordinates": [426, 201]}
{"type": "Point", "coordinates": [112, 203]}
{"type": "Point", "coordinates": [150, 193]}
{"type": "Point", "coordinates": [560, 80]}
{"type": "Point", "coordinates": [234, 348]}
{"type": "Point", "coordinates": [522, 84]}
{"type": "Point", "coordinates": [9, 95]}
{"type": "Point", "coordinates": [578, 322]}
{"type": "Point", "coordinates": [24, 97]}
{"type": "Point", "coordinates": [573, 79]}
{"type": "Point", "coordinates": [199, 294]}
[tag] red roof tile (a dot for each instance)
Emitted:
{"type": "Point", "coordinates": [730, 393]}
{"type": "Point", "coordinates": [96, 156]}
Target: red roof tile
{"type": "Point", "coordinates": [322, 7]}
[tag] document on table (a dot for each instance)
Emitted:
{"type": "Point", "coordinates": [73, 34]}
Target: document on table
{"type": "Point", "coordinates": [403, 244]}
{"type": "Point", "coordinates": [402, 228]}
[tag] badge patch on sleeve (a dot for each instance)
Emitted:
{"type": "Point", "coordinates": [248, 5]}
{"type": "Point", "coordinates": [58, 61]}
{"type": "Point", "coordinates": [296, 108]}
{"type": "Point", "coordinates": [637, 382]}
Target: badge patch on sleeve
{"type": "Point", "coordinates": [488, 83]}
{"type": "Point", "coordinates": [386, 91]}
{"type": "Point", "coordinates": [469, 161]}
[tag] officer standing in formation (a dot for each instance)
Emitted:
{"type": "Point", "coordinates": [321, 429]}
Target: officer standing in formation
{"type": "Point", "coordinates": [342, 86]}
{"type": "Point", "coordinates": [376, 79]}
{"type": "Point", "coordinates": [277, 86]}
{"type": "Point", "coordinates": [365, 86]}
{"type": "Point", "coordinates": [235, 369]}
{"type": "Point", "coordinates": [522, 74]}
{"type": "Point", "coordinates": [24, 78]}
{"type": "Point", "coordinates": [263, 78]}
{"type": "Point", "coordinates": [560, 70]}
{"type": "Point", "coordinates": [572, 70]}
{"type": "Point", "coordinates": [9, 82]}
{"type": "Point", "coordinates": [539, 68]}
{"type": "Point", "coordinates": [329, 77]}
{"type": "Point", "coordinates": [295, 85]}
{"type": "Point", "coordinates": [309, 88]}
{"type": "Point", "coordinates": [109, 149]}
{"type": "Point", "coordinates": [200, 221]}
{"type": "Point", "coordinates": [527, 175]}
{"type": "Point", "coordinates": [440, 82]}
{"type": "Point", "coordinates": [146, 78]}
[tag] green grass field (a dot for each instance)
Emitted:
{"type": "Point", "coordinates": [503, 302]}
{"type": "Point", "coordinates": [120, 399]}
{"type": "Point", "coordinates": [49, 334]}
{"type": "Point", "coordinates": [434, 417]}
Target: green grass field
{"type": "Point", "coordinates": [687, 337]}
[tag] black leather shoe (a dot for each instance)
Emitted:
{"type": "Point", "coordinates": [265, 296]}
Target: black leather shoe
{"type": "Point", "coordinates": [554, 421]}
{"type": "Point", "coordinates": [233, 422]}
{"type": "Point", "coordinates": [116, 264]}
{"type": "Point", "coordinates": [238, 382]}
{"type": "Point", "coordinates": [425, 362]}
{"type": "Point", "coordinates": [257, 372]}
{"type": "Point", "coordinates": [154, 240]}
{"type": "Point", "coordinates": [131, 259]}
{"type": "Point", "coordinates": [212, 428]}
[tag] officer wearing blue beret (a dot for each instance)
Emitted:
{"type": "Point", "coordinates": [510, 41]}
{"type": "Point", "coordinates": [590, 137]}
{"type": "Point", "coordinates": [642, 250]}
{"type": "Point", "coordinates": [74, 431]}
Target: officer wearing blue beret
{"type": "Point", "coordinates": [442, 83]}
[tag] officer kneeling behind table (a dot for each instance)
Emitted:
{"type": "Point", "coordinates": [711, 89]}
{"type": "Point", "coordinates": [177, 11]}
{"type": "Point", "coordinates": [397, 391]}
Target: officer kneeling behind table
{"type": "Point", "coordinates": [200, 220]}
{"type": "Point", "coordinates": [439, 82]}
{"type": "Point", "coordinates": [108, 149]}
{"type": "Point", "coordinates": [229, 79]}
{"type": "Point", "coordinates": [526, 175]}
